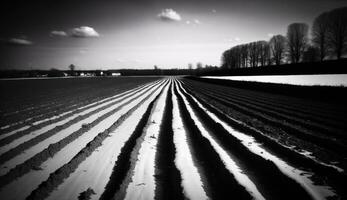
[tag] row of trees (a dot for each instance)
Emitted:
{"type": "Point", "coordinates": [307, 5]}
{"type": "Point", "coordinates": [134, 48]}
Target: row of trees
{"type": "Point", "coordinates": [244, 55]}
{"type": "Point", "coordinates": [328, 41]}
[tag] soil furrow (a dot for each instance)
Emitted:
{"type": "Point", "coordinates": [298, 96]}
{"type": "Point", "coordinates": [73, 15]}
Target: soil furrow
{"type": "Point", "coordinates": [123, 163]}
{"type": "Point", "coordinates": [78, 108]}
{"type": "Point", "coordinates": [272, 131]}
{"type": "Point", "coordinates": [296, 105]}
{"type": "Point", "coordinates": [220, 182]}
{"type": "Point", "coordinates": [65, 92]}
{"type": "Point", "coordinates": [299, 132]}
{"type": "Point", "coordinates": [261, 171]}
{"type": "Point", "coordinates": [168, 178]}
{"type": "Point", "coordinates": [35, 140]}
{"type": "Point", "coordinates": [56, 178]}
{"type": "Point", "coordinates": [192, 181]}
{"type": "Point", "coordinates": [293, 117]}
{"type": "Point", "coordinates": [321, 173]}
{"type": "Point", "coordinates": [302, 95]}
{"type": "Point", "coordinates": [53, 148]}
{"type": "Point", "coordinates": [331, 121]}
{"type": "Point", "coordinates": [308, 125]}
{"type": "Point", "coordinates": [140, 182]}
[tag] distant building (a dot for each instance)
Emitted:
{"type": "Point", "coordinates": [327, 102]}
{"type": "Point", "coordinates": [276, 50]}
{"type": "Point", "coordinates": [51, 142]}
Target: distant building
{"type": "Point", "coordinates": [115, 74]}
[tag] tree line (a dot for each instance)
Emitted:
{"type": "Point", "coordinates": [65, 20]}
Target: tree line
{"type": "Point", "coordinates": [328, 41]}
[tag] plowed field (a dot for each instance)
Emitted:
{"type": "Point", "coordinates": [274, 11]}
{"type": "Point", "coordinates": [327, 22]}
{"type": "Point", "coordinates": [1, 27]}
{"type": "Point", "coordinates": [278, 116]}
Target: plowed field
{"type": "Point", "coordinates": [167, 138]}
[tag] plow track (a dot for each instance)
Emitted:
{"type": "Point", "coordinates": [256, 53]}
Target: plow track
{"type": "Point", "coordinates": [173, 138]}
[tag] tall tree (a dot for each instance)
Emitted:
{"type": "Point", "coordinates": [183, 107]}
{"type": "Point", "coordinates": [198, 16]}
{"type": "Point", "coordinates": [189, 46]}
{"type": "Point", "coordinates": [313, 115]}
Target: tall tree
{"type": "Point", "coordinates": [264, 52]}
{"type": "Point", "coordinates": [311, 54]}
{"type": "Point", "coordinates": [226, 59]}
{"type": "Point", "coordinates": [244, 55]}
{"type": "Point", "coordinates": [277, 47]}
{"type": "Point", "coordinates": [297, 40]}
{"type": "Point", "coordinates": [319, 32]}
{"type": "Point", "coordinates": [72, 67]}
{"type": "Point", "coordinates": [253, 54]}
{"type": "Point", "coordinates": [337, 31]}
{"type": "Point", "coordinates": [190, 66]}
{"type": "Point", "coordinates": [198, 65]}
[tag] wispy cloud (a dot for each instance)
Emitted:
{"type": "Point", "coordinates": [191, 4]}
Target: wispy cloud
{"type": "Point", "coordinates": [270, 35]}
{"type": "Point", "coordinates": [84, 31]}
{"type": "Point", "coordinates": [120, 60]}
{"type": "Point", "coordinates": [193, 22]}
{"type": "Point", "coordinates": [58, 33]}
{"type": "Point", "coordinates": [214, 11]}
{"type": "Point", "coordinates": [235, 39]}
{"type": "Point", "coordinates": [18, 42]}
{"type": "Point", "coordinates": [169, 15]}
{"type": "Point", "coordinates": [196, 21]}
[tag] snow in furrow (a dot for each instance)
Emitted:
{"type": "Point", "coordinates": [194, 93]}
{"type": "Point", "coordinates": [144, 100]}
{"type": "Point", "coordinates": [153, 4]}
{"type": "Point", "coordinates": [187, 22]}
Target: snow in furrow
{"type": "Point", "coordinates": [310, 155]}
{"type": "Point", "coordinates": [14, 131]}
{"type": "Point", "coordinates": [300, 176]}
{"type": "Point", "coordinates": [305, 153]}
{"type": "Point", "coordinates": [65, 113]}
{"type": "Point", "coordinates": [42, 130]}
{"type": "Point", "coordinates": [41, 121]}
{"type": "Point", "coordinates": [95, 171]}
{"type": "Point", "coordinates": [24, 121]}
{"type": "Point", "coordinates": [231, 165]}
{"type": "Point", "coordinates": [191, 181]}
{"type": "Point", "coordinates": [142, 185]}
{"type": "Point", "coordinates": [58, 136]}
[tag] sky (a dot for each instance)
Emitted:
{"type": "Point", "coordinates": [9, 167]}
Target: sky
{"type": "Point", "coordinates": [115, 34]}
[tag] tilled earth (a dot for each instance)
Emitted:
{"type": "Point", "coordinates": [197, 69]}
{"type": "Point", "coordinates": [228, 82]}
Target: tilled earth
{"type": "Point", "coordinates": [171, 138]}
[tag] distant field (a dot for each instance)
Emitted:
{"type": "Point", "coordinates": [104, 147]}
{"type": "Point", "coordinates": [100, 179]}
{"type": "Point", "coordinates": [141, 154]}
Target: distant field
{"type": "Point", "coordinates": [307, 80]}
{"type": "Point", "coordinates": [167, 138]}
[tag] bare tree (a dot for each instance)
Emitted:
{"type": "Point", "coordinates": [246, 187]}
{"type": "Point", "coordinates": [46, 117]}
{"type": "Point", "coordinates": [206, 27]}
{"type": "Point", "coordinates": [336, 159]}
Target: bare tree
{"type": "Point", "coordinates": [337, 31]}
{"type": "Point", "coordinates": [190, 66]}
{"type": "Point", "coordinates": [319, 32]}
{"type": "Point", "coordinates": [244, 55]}
{"type": "Point", "coordinates": [264, 52]}
{"type": "Point", "coordinates": [277, 47]}
{"type": "Point", "coordinates": [199, 65]}
{"type": "Point", "coordinates": [232, 58]}
{"type": "Point", "coordinates": [237, 56]}
{"type": "Point", "coordinates": [226, 59]}
{"type": "Point", "coordinates": [72, 67]}
{"type": "Point", "coordinates": [297, 40]}
{"type": "Point", "coordinates": [253, 54]}
{"type": "Point", "coordinates": [311, 54]}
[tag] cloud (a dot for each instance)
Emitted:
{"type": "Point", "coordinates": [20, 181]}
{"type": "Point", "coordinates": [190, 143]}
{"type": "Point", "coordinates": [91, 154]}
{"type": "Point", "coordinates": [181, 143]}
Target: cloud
{"type": "Point", "coordinates": [270, 35]}
{"type": "Point", "coordinates": [120, 60]}
{"type": "Point", "coordinates": [214, 11]}
{"type": "Point", "coordinates": [83, 51]}
{"type": "Point", "coordinates": [84, 31]}
{"type": "Point", "coordinates": [193, 22]}
{"type": "Point", "coordinates": [58, 33]}
{"type": "Point", "coordinates": [19, 42]}
{"type": "Point", "coordinates": [235, 39]}
{"type": "Point", "coordinates": [169, 15]}
{"type": "Point", "coordinates": [196, 21]}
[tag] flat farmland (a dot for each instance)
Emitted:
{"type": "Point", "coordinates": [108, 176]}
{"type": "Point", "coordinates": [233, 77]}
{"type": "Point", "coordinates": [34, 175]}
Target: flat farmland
{"type": "Point", "coordinates": [166, 138]}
